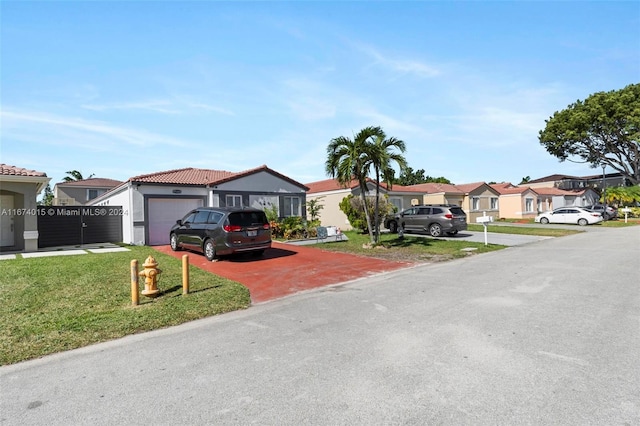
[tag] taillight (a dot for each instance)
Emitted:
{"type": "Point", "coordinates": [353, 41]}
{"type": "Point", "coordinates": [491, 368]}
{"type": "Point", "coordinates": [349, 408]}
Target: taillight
{"type": "Point", "coordinates": [448, 216]}
{"type": "Point", "coordinates": [232, 228]}
{"type": "Point", "coordinates": [266, 226]}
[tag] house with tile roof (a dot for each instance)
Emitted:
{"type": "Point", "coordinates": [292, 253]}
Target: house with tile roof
{"type": "Point", "coordinates": [477, 197]}
{"type": "Point", "coordinates": [517, 202]}
{"type": "Point", "coordinates": [19, 189]}
{"type": "Point", "coordinates": [152, 203]}
{"type": "Point", "coordinates": [79, 192]}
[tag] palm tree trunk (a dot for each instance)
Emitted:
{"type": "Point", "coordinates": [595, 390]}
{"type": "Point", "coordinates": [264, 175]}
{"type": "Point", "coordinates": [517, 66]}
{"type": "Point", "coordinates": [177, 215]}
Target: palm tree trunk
{"type": "Point", "coordinates": [363, 190]}
{"type": "Point", "coordinates": [376, 216]}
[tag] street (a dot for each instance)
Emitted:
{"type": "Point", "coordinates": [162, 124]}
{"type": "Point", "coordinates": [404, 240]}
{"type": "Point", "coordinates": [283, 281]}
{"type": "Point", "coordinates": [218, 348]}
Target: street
{"type": "Point", "coordinates": [543, 333]}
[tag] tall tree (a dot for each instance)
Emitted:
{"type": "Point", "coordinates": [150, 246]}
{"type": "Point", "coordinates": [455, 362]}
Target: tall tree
{"type": "Point", "coordinates": [74, 175]}
{"type": "Point", "coordinates": [47, 197]}
{"type": "Point", "coordinates": [346, 159]}
{"type": "Point", "coordinates": [381, 155]}
{"type": "Point", "coordinates": [408, 177]}
{"type": "Point", "coordinates": [604, 129]}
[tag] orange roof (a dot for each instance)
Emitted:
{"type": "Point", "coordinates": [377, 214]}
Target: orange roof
{"type": "Point", "coordinates": [194, 176]}
{"type": "Point", "coordinates": [468, 187]}
{"type": "Point", "coordinates": [7, 170]}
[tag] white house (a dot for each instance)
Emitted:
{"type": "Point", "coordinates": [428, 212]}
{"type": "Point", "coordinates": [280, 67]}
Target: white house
{"type": "Point", "coordinates": [152, 203]}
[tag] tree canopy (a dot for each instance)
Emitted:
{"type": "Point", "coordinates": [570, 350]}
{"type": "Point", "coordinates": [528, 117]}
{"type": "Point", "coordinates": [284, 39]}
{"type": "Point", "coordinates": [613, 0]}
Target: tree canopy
{"type": "Point", "coordinates": [409, 177]}
{"type": "Point", "coordinates": [74, 175]}
{"type": "Point", "coordinates": [602, 130]}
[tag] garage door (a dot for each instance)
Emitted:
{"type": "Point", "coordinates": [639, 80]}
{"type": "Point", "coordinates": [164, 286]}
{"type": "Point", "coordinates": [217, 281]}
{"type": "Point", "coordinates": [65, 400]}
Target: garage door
{"type": "Point", "coordinates": [163, 213]}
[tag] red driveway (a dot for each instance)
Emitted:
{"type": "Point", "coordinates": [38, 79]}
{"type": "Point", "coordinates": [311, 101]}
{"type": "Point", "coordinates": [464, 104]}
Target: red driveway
{"type": "Point", "coordinates": [286, 269]}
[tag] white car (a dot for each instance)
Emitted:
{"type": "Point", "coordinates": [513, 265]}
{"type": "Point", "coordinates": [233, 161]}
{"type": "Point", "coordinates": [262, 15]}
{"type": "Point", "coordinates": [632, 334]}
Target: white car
{"type": "Point", "coordinates": [571, 215]}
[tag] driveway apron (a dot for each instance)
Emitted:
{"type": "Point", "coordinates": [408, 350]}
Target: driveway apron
{"type": "Point", "coordinates": [287, 269]}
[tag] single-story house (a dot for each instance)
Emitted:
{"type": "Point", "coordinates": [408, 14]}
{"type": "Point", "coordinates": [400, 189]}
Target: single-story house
{"type": "Point", "coordinates": [553, 198]}
{"type": "Point", "coordinates": [152, 203]}
{"type": "Point", "coordinates": [79, 192]}
{"type": "Point", "coordinates": [517, 202]}
{"type": "Point", "coordinates": [19, 189]}
{"type": "Point", "coordinates": [330, 193]}
{"type": "Point", "coordinates": [479, 199]}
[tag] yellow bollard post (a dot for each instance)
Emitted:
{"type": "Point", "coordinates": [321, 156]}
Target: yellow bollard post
{"type": "Point", "coordinates": [134, 282]}
{"type": "Point", "coordinates": [185, 274]}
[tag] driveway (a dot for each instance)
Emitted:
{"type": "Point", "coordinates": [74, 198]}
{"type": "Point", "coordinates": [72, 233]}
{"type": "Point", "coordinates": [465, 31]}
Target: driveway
{"type": "Point", "coordinates": [287, 269]}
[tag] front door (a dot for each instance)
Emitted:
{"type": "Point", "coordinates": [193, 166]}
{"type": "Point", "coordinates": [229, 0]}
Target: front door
{"type": "Point", "coordinates": [7, 214]}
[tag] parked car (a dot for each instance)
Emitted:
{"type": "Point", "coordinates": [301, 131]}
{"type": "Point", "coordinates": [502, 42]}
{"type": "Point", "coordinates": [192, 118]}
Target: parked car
{"type": "Point", "coordinates": [607, 212]}
{"type": "Point", "coordinates": [436, 219]}
{"type": "Point", "coordinates": [570, 215]}
{"type": "Point", "coordinates": [222, 231]}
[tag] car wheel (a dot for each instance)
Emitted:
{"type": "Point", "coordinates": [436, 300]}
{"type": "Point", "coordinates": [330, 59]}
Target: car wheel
{"type": "Point", "coordinates": [582, 222]}
{"type": "Point", "coordinates": [606, 216]}
{"type": "Point", "coordinates": [209, 250]}
{"type": "Point", "coordinates": [393, 227]}
{"type": "Point", "coordinates": [174, 242]}
{"type": "Point", "coordinates": [544, 220]}
{"type": "Point", "coordinates": [435, 230]}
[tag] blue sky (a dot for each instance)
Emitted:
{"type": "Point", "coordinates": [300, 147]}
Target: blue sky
{"type": "Point", "coordinates": [119, 89]}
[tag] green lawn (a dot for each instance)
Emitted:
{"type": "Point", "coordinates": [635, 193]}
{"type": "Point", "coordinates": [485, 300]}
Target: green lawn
{"type": "Point", "coordinates": [523, 230]}
{"type": "Point", "coordinates": [410, 248]}
{"type": "Point", "coordinates": [52, 304]}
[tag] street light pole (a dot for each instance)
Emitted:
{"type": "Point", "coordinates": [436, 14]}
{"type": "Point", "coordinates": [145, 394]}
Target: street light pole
{"type": "Point", "coordinates": [604, 190]}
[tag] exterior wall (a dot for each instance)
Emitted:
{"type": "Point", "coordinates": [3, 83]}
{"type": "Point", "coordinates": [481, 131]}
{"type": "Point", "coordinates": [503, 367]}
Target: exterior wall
{"type": "Point", "coordinates": [25, 226]}
{"type": "Point", "coordinates": [331, 215]}
{"type": "Point", "coordinates": [484, 197]}
{"type": "Point", "coordinates": [442, 198]}
{"type": "Point", "coordinates": [405, 200]}
{"type": "Point", "coordinates": [73, 196]}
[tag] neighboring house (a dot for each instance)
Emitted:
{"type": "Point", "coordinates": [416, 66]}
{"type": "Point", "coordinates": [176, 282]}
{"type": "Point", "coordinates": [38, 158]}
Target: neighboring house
{"type": "Point", "coordinates": [517, 202]}
{"type": "Point", "coordinates": [19, 189]}
{"type": "Point", "coordinates": [553, 198]}
{"type": "Point", "coordinates": [578, 182]}
{"type": "Point", "coordinates": [79, 192]}
{"type": "Point", "coordinates": [479, 199]}
{"type": "Point", "coordinates": [152, 203]}
{"type": "Point", "coordinates": [330, 193]}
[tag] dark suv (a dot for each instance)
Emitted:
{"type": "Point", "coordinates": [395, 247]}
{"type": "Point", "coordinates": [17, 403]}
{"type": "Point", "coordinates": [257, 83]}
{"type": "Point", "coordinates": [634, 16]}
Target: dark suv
{"type": "Point", "coordinates": [221, 231]}
{"type": "Point", "coordinates": [607, 212]}
{"type": "Point", "coordinates": [435, 219]}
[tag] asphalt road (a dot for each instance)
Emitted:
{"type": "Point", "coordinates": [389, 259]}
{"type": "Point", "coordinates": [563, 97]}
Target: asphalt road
{"type": "Point", "coordinates": [538, 334]}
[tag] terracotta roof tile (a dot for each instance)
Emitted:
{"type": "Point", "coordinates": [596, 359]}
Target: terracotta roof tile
{"type": "Point", "coordinates": [186, 176]}
{"type": "Point", "coordinates": [329, 185]}
{"type": "Point", "coordinates": [7, 170]}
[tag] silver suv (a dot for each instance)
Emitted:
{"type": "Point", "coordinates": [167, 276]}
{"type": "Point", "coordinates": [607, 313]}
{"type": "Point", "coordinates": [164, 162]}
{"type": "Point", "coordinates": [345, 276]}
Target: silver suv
{"type": "Point", "coordinates": [221, 231]}
{"type": "Point", "coordinates": [436, 219]}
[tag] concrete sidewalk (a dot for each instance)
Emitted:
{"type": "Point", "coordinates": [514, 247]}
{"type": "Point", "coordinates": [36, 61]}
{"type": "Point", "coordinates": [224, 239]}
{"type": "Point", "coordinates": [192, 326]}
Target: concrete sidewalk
{"type": "Point", "coordinates": [66, 251]}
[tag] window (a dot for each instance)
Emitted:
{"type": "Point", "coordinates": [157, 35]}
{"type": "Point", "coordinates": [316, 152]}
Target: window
{"type": "Point", "coordinates": [494, 203]}
{"type": "Point", "coordinates": [234, 200]}
{"type": "Point", "coordinates": [475, 203]}
{"type": "Point", "coordinates": [215, 217]}
{"type": "Point", "coordinates": [424, 210]}
{"type": "Point", "coordinates": [291, 206]}
{"type": "Point", "coordinates": [396, 202]}
{"type": "Point", "coordinates": [93, 193]}
{"type": "Point", "coordinates": [201, 216]}
{"type": "Point", "coordinates": [528, 204]}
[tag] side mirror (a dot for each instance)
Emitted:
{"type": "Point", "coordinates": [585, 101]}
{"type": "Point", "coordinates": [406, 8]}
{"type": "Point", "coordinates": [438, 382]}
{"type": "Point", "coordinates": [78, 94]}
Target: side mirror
{"type": "Point", "coordinates": [179, 222]}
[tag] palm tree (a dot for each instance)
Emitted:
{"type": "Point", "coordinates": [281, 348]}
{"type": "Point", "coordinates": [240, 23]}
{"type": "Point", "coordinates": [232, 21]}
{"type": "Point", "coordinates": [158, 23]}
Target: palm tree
{"type": "Point", "coordinates": [346, 159]}
{"type": "Point", "coordinates": [74, 175]}
{"type": "Point", "coordinates": [380, 155]}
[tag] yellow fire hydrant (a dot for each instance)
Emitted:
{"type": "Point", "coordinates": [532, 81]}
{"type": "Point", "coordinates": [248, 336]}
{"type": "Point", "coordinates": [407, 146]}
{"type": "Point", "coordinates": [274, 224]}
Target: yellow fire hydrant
{"type": "Point", "coordinates": [150, 273]}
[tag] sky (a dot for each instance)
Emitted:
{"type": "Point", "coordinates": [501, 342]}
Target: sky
{"type": "Point", "coordinates": [117, 89]}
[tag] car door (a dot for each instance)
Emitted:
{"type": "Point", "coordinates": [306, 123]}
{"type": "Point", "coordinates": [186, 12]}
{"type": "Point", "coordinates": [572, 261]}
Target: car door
{"type": "Point", "coordinates": [183, 230]}
{"type": "Point", "coordinates": [407, 219]}
{"type": "Point", "coordinates": [198, 229]}
{"type": "Point", "coordinates": [422, 218]}
{"type": "Point", "coordinates": [559, 216]}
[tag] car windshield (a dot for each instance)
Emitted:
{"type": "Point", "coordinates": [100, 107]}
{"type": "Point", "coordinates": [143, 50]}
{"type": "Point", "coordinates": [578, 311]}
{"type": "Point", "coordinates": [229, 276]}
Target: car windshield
{"type": "Point", "coordinates": [247, 219]}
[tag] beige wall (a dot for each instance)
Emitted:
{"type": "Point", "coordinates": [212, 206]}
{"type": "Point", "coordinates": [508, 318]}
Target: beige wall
{"type": "Point", "coordinates": [331, 215]}
{"type": "Point", "coordinates": [484, 205]}
{"type": "Point", "coordinates": [513, 206]}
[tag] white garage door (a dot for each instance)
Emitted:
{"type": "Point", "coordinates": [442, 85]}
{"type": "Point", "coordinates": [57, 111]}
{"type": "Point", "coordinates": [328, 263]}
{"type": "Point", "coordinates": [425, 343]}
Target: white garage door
{"type": "Point", "coordinates": [163, 213]}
